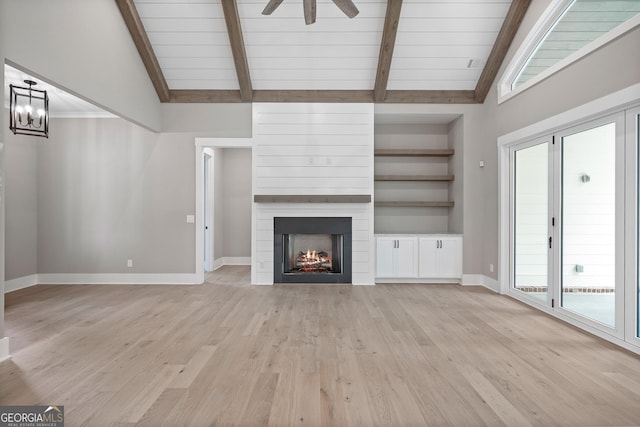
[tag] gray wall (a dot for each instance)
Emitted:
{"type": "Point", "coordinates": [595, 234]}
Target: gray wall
{"type": "Point", "coordinates": [3, 39]}
{"type": "Point", "coordinates": [210, 120]}
{"type": "Point", "coordinates": [232, 202]}
{"type": "Point", "coordinates": [109, 191]}
{"type": "Point", "coordinates": [83, 46]}
{"type": "Point", "coordinates": [237, 202]}
{"type": "Point", "coordinates": [390, 220]}
{"type": "Point", "coordinates": [456, 168]}
{"type": "Point", "coordinates": [218, 203]}
{"type": "Point", "coordinates": [21, 214]}
{"type": "Point", "coordinates": [610, 68]}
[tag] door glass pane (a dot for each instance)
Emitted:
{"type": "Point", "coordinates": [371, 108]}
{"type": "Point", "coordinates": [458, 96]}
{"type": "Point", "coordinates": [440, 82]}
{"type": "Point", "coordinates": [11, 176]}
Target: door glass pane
{"type": "Point", "coordinates": [588, 223]}
{"type": "Point", "coordinates": [531, 220]}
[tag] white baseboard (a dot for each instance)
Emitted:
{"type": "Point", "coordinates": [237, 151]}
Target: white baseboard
{"type": "Point", "coordinates": [117, 279]}
{"type": "Point", "coordinates": [481, 280]}
{"type": "Point", "coordinates": [416, 280]}
{"type": "Point", "coordinates": [20, 283]}
{"type": "Point", "coordinates": [4, 349]}
{"type": "Point", "coordinates": [231, 260]}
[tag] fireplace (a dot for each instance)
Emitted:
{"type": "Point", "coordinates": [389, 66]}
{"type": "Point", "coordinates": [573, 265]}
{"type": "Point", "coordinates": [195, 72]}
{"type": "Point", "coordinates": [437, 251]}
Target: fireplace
{"type": "Point", "coordinates": [311, 250]}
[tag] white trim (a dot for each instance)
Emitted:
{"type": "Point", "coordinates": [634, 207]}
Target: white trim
{"type": "Point", "coordinates": [4, 349]}
{"type": "Point", "coordinates": [538, 32]}
{"type": "Point", "coordinates": [217, 263]}
{"type": "Point", "coordinates": [417, 280]}
{"type": "Point", "coordinates": [224, 142]}
{"type": "Point", "coordinates": [231, 260]}
{"type": "Point", "coordinates": [601, 106]}
{"type": "Point", "coordinates": [201, 144]}
{"type": "Point", "coordinates": [117, 279]}
{"type": "Point", "coordinates": [20, 283]}
{"type": "Point", "coordinates": [480, 280]}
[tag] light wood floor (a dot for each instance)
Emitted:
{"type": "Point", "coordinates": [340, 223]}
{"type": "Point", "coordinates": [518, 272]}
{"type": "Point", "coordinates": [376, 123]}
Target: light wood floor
{"type": "Point", "coordinates": [319, 355]}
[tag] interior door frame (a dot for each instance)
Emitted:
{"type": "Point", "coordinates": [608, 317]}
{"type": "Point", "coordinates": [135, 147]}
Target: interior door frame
{"type": "Point", "coordinates": [200, 145]}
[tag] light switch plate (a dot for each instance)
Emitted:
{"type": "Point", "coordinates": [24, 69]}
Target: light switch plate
{"type": "Point", "coordinates": [191, 219]}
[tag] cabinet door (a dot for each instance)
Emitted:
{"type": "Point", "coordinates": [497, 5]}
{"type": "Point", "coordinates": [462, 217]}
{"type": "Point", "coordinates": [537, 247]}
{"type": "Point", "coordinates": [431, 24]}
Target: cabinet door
{"type": "Point", "coordinates": [406, 259]}
{"type": "Point", "coordinates": [428, 257]}
{"type": "Point", "coordinates": [449, 257]}
{"type": "Point", "coordinates": [385, 257]}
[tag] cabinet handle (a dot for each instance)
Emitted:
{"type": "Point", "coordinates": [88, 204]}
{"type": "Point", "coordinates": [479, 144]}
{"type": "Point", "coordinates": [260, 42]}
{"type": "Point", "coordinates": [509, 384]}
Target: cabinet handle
{"type": "Point", "coordinates": [398, 244]}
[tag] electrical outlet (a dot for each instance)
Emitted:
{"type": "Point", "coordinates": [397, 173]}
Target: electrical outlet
{"type": "Point", "coordinates": [490, 268]}
{"type": "Point", "coordinates": [129, 263]}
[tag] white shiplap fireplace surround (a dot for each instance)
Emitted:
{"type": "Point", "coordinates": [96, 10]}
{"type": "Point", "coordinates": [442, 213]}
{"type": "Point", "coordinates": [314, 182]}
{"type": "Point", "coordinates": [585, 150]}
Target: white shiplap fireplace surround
{"type": "Point", "coordinates": [323, 152]}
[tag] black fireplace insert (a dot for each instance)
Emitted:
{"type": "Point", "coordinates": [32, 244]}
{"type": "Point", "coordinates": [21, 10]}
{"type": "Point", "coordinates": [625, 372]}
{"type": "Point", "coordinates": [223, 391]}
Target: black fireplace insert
{"type": "Point", "coordinates": [312, 250]}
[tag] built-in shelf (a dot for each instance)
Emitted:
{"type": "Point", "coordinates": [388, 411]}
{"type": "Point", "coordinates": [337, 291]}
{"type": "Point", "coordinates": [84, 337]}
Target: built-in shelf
{"type": "Point", "coordinates": [414, 152]}
{"type": "Point", "coordinates": [414, 178]}
{"type": "Point", "coordinates": [414, 204]}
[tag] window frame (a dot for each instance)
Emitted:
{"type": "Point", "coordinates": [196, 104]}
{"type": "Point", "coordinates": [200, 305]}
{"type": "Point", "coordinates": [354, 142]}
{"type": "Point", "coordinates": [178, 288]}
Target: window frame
{"type": "Point", "coordinates": [536, 36]}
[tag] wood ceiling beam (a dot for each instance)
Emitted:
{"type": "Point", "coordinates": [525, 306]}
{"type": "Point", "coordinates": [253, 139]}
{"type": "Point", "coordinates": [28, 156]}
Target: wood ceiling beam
{"type": "Point", "coordinates": [191, 96]}
{"type": "Point", "coordinates": [234, 30]}
{"type": "Point", "coordinates": [363, 96]}
{"type": "Point", "coordinates": [391, 20]}
{"type": "Point", "coordinates": [338, 96]}
{"type": "Point", "coordinates": [145, 50]}
{"type": "Point", "coordinates": [508, 31]}
{"type": "Point", "coordinates": [431, 97]}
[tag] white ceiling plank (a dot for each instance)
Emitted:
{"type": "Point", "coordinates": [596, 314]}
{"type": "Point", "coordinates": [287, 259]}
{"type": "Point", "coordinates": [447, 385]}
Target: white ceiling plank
{"type": "Point", "coordinates": [418, 64]}
{"type": "Point", "coordinates": [454, 10]}
{"type": "Point", "coordinates": [183, 24]}
{"type": "Point", "coordinates": [433, 85]}
{"type": "Point", "coordinates": [224, 74]}
{"type": "Point", "coordinates": [462, 51]}
{"type": "Point", "coordinates": [466, 74]}
{"type": "Point", "coordinates": [327, 25]}
{"type": "Point", "coordinates": [323, 51]}
{"type": "Point", "coordinates": [301, 38]}
{"type": "Point", "coordinates": [310, 84]}
{"type": "Point", "coordinates": [450, 25]}
{"type": "Point", "coordinates": [192, 51]}
{"type": "Point", "coordinates": [211, 84]}
{"type": "Point", "coordinates": [194, 63]}
{"type": "Point", "coordinates": [187, 38]}
{"type": "Point", "coordinates": [312, 63]}
{"type": "Point", "coordinates": [449, 38]}
{"type": "Point", "coordinates": [311, 74]}
{"type": "Point", "coordinates": [183, 10]}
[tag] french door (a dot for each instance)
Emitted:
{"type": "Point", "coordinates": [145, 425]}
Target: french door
{"type": "Point", "coordinates": [568, 223]}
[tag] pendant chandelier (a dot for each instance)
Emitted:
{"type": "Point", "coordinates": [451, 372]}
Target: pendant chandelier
{"type": "Point", "coordinates": [28, 110]}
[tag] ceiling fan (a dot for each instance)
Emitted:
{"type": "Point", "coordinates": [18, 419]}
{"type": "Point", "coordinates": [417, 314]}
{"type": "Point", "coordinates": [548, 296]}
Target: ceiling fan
{"type": "Point", "coordinates": [346, 6]}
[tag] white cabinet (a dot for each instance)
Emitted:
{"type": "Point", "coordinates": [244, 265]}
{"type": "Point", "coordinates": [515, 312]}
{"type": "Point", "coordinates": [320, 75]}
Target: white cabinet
{"type": "Point", "coordinates": [414, 257]}
{"type": "Point", "coordinates": [397, 257]}
{"type": "Point", "coordinates": [440, 257]}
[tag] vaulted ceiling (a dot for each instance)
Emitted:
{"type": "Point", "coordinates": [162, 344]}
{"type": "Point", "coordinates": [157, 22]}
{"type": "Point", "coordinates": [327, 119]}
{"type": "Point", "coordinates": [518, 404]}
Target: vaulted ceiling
{"type": "Point", "coordinates": [420, 51]}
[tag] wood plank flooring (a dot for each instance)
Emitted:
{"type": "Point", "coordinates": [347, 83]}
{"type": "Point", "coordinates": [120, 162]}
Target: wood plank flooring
{"type": "Point", "coordinates": [226, 353]}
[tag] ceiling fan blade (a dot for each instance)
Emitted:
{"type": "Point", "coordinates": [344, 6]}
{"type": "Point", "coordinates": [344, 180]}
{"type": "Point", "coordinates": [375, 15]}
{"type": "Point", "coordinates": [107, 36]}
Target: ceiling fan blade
{"type": "Point", "coordinates": [309, 11]}
{"type": "Point", "coordinates": [347, 7]}
{"type": "Point", "coordinates": [271, 6]}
